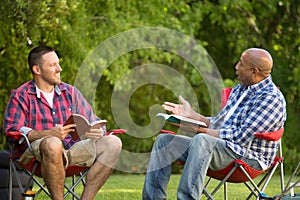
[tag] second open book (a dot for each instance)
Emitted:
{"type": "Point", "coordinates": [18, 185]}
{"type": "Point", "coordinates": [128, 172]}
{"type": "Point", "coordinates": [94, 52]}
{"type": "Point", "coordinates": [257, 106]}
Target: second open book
{"type": "Point", "coordinates": [177, 119]}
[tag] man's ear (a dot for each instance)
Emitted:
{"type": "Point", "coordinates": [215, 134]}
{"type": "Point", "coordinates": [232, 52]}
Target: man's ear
{"type": "Point", "coordinates": [36, 69]}
{"type": "Point", "coordinates": [255, 70]}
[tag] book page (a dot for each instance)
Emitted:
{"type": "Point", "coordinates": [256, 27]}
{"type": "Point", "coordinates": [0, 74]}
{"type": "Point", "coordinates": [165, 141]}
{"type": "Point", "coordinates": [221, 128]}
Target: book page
{"type": "Point", "coordinates": [179, 119]}
{"type": "Point", "coordinates": [82, 125]}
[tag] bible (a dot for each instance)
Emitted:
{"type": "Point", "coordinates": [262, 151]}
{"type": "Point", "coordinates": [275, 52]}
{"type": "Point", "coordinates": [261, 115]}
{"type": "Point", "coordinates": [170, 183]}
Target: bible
{"type": "Point", "coordinates": [176, 120]}
{"type": "Point", "coordinates": [82, 125]}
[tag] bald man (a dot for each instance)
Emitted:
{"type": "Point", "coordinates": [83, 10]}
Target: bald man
{"type": "Point", "coordinates": [255, 105]}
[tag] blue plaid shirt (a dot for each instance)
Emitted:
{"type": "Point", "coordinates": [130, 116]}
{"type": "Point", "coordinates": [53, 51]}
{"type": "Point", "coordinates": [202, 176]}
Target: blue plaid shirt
{"type": "Point", "coordinates": [262, 110]}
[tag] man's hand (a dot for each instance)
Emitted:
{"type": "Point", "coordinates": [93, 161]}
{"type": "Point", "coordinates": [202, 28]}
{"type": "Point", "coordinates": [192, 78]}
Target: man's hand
{"type": "Point", "coordinates": [95, 134]}
{"type": "Point", "coordinates": [61, 131]}
{"type": "Point", "coordinates": [184, 109]}
{"type": "Point", "coordinates": [58, 131]}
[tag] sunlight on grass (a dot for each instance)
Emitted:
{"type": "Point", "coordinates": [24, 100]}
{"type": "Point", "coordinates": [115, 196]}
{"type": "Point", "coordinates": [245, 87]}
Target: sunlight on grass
{"type": "Point", "coordinates": [120, 190]}
{"type": "Point", "coordinates": [129, 187]}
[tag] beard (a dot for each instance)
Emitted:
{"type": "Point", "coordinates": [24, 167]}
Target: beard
{"type": "Point", "coordinates": [51, 80]}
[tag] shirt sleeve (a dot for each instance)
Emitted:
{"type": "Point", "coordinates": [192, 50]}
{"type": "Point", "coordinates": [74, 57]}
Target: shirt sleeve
{"type": "Point", "coordinates": [15, 113]}
{"type": "Point", "coordinates": [265, 114]}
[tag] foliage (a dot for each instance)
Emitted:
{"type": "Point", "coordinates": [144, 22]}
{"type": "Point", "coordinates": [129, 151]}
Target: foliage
{"type": "Point", "coordinates": [224, 28]}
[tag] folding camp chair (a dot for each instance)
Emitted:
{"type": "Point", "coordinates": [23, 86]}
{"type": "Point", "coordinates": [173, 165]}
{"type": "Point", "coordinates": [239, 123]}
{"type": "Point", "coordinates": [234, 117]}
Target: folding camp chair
{"type": "Point", "coordinates": [239, 172]}
{"type": "Point", "coordinates": [33, 169]}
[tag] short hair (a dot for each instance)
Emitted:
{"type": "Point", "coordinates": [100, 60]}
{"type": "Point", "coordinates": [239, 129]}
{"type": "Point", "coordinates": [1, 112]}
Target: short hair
{"type": "Point", "coordinates": [35, 55]}
{"type": "Point", "coordinates": [261, 59]}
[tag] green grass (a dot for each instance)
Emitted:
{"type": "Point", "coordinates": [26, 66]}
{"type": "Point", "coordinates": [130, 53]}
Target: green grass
{"type": "Point", "coordinates": [129, 187]}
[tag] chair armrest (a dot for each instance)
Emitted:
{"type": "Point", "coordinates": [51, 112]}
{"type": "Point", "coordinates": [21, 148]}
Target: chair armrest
{"type": "Point", "coordinates": [272, 136]}
{"type": "Point", "coordinates": [167, 132]}
{"type": "Point", "coordinates": [18, 137]}
{"type": "Point", "coordinates": [115, 132]}
{"type": "Point", "coordinates": [15, 138]}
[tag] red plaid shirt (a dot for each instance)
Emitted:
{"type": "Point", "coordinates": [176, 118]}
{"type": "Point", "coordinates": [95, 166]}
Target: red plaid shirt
{"type": "Point", "coordinates": [27, 109]}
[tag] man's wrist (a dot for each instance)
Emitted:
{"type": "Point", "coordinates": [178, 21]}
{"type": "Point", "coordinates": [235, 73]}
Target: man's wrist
{"type": "Point", "coordinates": [25, 130]}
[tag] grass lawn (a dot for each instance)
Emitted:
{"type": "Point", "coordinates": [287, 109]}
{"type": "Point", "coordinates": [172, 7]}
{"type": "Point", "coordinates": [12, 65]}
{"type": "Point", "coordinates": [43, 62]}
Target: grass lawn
{"type": "Point", "coordinates": [129, 187]}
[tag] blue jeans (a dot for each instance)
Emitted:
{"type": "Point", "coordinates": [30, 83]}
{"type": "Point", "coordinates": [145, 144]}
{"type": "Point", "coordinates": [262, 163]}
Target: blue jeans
{"type": "Point", "coordinates": [199, 153]}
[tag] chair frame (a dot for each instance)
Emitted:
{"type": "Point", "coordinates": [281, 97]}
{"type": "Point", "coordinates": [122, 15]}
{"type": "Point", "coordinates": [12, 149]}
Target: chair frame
{"type": "Point", "coordinates": [33, 168]}
{"type": "Point", "coordinates": [255, 189]}
{"type": "Point", "coordinates": [290, 186]}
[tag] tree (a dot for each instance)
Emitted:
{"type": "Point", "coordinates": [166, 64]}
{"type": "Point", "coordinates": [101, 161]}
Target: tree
{"type": "Point", "coordinates": [224, 28]}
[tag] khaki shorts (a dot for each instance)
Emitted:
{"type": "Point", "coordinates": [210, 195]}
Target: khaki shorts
{"type": "Point", "coordinates": [82, 153]}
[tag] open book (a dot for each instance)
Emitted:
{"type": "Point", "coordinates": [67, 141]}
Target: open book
{"type": "Point", "coordinates": [82, 125]}
{"type": "Point", "coordinates": [177, 120]}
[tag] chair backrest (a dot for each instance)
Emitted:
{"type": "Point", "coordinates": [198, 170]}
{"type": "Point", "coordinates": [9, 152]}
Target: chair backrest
{"type": "Point", "coordinates": [225, 95]}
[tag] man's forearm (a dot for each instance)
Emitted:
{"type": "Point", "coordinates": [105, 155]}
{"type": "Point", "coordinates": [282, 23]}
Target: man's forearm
{"type": "Point", "coordinates": [211, 132]}
{"type": "Point", "coordinates": [37, 134]}
{"type": "Point", "coordinates": [200, 117]}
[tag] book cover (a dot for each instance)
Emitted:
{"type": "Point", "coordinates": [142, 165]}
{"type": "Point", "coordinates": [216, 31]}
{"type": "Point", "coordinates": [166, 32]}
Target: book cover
{"type": "Point", "coordinates": [82, 125]}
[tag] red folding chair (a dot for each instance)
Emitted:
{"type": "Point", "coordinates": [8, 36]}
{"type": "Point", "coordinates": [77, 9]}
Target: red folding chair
{"type": "Point", "coordinates": [239, 172]}
{"type": "Point", "coordinates": [33, 169]}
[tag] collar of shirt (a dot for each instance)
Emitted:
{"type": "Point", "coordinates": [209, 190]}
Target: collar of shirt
{"type": "Point", "coordinates": [258, 86]}
{"type": "Point", "coordinates": [33, 89]}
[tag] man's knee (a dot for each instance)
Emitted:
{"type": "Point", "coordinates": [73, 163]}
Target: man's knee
{"type": "Point", "coordinates": [115, 141]}
{"type": "Point", "coordinates": [108, 150]}
{"type": "Point", "coordinates": [200, 135]}
{"type": "Point", "coordinates": [109, 144]}
{"type": "Point", "coordinates": [202, 141]}
{"type": "Point", "coordinates": [163, 139]}
{"type": "Point", "coordinates": [203, 138]}
{"type": "Point", "coordinates": [51, 145]}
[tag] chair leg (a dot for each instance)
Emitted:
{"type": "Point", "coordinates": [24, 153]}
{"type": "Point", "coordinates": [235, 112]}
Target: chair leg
{"type": "Point", "coordinates": [72, 192]}
{"type": "Point", "coordinates": [263, 183]}
{"type": "Point", "coordinates": [13, 170]}
{"type": "Point", "coordinates": [10, 180]}
{"type": "Point", "coordinates": [225, 191]}
{"type": "Point", "coordinates": [250, 179]}
{"type": "Point", "coordinates": [289, 185]}
{"type": "Point", "coordinates": [205, 191]}
{"type": "Point", "coordinates": [207, 194]}
{"type": "Point", "coordinates": [224, 180]}
{"type": "Point", "coordinates": [73, 189]}
{"type": "Point", "coordinates": [74, 184]}
{"type": "Point", "coordinates": [253, 191]}
{"type": "Point", "coordinates": [32, 179]}
{"type": "Point", "coordinates": [281, 167]}
{"type": "Point", "coordinates": [83, 179]}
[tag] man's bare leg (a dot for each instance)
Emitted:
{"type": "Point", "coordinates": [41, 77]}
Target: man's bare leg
{"type": "Point", "coordinates": [108, 150]}
{"type": "Point", "coordinates": [52, 167]}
